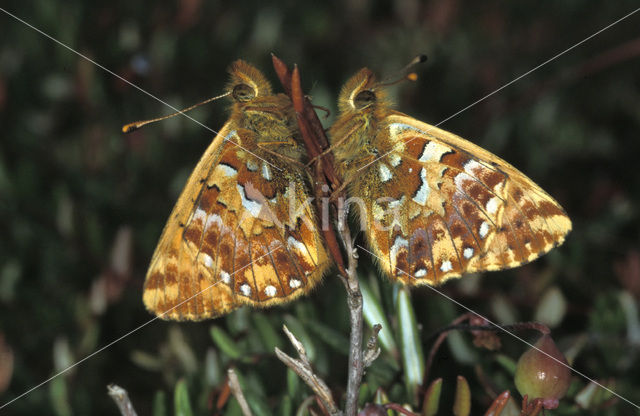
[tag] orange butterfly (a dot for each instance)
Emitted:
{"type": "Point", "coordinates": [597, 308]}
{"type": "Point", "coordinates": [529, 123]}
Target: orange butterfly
{"type": "Point", "coordinates": [243, 231]}
{"type": "Point", "coordinates": [437, 206]}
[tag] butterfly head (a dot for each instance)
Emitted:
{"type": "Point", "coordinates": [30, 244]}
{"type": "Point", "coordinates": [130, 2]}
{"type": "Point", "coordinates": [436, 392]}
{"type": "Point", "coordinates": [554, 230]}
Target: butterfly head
{"type": "Point", "coordinates": [247, 83]}
{"type": "Point", "coordinates": [361, 94]}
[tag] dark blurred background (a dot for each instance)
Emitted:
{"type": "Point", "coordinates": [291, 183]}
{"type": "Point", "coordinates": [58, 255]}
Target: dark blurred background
{"type": "Point", "coordinates": [82, 205]}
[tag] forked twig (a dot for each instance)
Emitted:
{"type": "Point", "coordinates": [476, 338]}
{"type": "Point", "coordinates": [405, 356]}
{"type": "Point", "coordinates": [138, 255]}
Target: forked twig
{"type": "Point", "coordinates": [120, 396]}
{"type": "Point", "coordinates": [236, 390]}
{"type": "Point", "coordinates": [302, 367]}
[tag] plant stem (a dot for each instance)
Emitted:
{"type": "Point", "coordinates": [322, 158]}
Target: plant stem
{"type": "Point", "coordinates": [354, 302]}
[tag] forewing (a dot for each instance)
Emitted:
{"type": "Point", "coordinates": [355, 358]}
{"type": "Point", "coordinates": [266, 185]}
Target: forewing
{"type": "Point", "coordinates": [453, 207]}
{"type": "Point", "coordinates": [231, 240]}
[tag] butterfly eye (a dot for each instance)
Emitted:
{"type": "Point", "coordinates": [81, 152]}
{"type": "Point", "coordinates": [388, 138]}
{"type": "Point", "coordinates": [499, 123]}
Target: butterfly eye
{"type": "Point", "coordinates": [243, 92]}
{"type": "Point", "coordinates": [364, 99]}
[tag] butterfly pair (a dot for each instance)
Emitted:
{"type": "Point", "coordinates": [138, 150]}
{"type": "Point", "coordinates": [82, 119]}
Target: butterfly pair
{"type": "Point", "coordinates": [435, 205]}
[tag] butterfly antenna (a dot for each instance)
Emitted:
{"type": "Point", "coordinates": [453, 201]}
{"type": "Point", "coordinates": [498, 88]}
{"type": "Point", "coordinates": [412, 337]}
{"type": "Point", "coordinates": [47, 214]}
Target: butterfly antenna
{"type": "Point", "coordinates": [128, 128]}
{"type": "Point", "coordinates": [405, 74]}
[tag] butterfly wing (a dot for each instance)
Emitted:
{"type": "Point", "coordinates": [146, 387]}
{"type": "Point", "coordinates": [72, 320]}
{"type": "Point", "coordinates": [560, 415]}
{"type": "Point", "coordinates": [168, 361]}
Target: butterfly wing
{"type": "Point", "coordinates": [442, 206]}
{"type": "Point", "coordinates": [232, 238]}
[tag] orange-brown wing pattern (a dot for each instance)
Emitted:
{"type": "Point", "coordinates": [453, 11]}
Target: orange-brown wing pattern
{"type": "Point", "coordinates": [231, 242]}
{"type": "Point", "coordinates": [451, 207]}
{"type": "Point", "coordinates": [243, 231]}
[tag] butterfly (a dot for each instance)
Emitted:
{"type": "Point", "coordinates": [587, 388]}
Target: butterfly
{"type": "Point", "coordinates": [436, 205]}
{"type": "Point", "coordinates": [242, 231]}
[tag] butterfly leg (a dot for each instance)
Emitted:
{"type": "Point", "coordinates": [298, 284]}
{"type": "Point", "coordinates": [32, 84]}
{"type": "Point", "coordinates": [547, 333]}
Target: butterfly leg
{"type": "Point", "coordinates": [266, 146]}
{"type": "Point", "coordinates": [335, 145]}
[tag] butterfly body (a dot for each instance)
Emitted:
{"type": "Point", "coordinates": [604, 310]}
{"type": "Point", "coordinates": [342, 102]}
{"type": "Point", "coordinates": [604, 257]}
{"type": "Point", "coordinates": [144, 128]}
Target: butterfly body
{"type": "Point", "coordinates": [436, 205]}
{"type": "Point", "coordinates": [242, 231]}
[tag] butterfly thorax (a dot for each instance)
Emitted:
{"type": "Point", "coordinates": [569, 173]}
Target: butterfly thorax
{"type": "Point", "coordinates": [271, 121]}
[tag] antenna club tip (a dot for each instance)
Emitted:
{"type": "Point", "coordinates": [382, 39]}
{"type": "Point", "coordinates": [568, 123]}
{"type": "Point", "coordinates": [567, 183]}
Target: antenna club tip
{"type": "Point", "coordinates": [422, 58]}
{"type": "Point", "coordinates": [412, 76]}
{"type": "Point", "coordinates": [129, 128]}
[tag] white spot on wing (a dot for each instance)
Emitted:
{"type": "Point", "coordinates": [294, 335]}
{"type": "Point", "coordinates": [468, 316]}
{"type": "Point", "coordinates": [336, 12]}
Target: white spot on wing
{"type": "Point", "coordinates": [472, 167]}
{"type": "Point", "coordinates": [207, 260]}
{"type": "Point", "coordinates": [396, 203]}
{"type": "Point", "coordinates": [227, 170]}
{"type": "Point", "coordinates": [397, 128]}
{"type": "Point", "coordinates": [213, 219]}
{"type": "Point", "coordinates": [252, 206]}
{"type": "Point", "coordinates": [492, 205]}
{"type": "Point", "coordinates": [225, 277]}
{"type": "Point", "coordinates": [294, 283]}
{"type": "Point", "coordinates": [423, 192]}
{"type": "Point", "coordinates": [467, 253]}
{"type": "Point", "coordinates": [421, 273]}
{"type": "Point", "coordinates": [292, 242]}
{"type": "Point", "coordinates": [446, 266]}
{"type": "Point", "coordinates": [245, 289]}
{"type": "Point", "coordinates": [460, 180]}
{"type": "Point", "coordinates": [484, 229]}
{"type": "Point", "coordinates": [266, 171]}
{"type": "Point", "coordinates": [199, 214]}
{"type": "Point", "coordinates": [498, 188]}
{"type": "Point", "coordinates": [252, 165]}
{"type": "Point", "coordinates": [433, 152]}
{"type": "Point", "coordinates": [270, 291]}
{"type": "Point", "coordinates": [395, 159]}
{"type": "Point", "coordinates": [385, 173]}
{"type": "Point", "coordinates": [397, 245]}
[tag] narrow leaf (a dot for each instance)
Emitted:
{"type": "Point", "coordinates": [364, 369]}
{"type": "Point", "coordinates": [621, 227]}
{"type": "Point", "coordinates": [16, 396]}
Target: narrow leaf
{"type": "Point", "coordinates": [159, 404]}
{"type": "Point", "coordinates": [374, 314]}
{"type": "Point", "coordinates": [462, 400]}
{"type": "Point", "coordinates": [432, 398]}
{"type": "Point", "coordinates": [181, 401]}
{"type": "Point", "coordinates": [410, 345]}
{"type": "Point", "coordinates": [225, 343]}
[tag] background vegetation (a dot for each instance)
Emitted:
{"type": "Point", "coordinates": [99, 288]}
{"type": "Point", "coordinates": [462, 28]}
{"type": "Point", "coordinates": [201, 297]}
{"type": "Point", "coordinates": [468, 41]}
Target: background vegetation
{"type": "Point", "coordinates": [82, 206]}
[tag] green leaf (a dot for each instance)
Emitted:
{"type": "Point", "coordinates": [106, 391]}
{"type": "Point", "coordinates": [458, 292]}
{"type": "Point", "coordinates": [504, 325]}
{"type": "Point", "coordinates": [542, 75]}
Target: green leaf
{"type": "Point", "coordinates": [373, 313]}
{"type": "Point", "coordinates": [330, 336]}
{"type": "Point", "coordinates": [462, 400]}
{"type": "Point", "coordinates": [380, 397]}
{"type": "Point", "coordinates": [257, 404]}
{"type": "Point", "coordinates": [293, 383]}
{"type": "Point", "coordinates": [159, 407]}
{"type": "Point", "coordinates": [363, 394]}
{"type": "Point", "coordinates": [286, 406]}
{"type": "Point", "coordinates": [507, 363]}
{"type": "Point", "coordinates": [432, 398]}
{"type": "Point", "coordinates": [269, 336]}
{"type": "Point", "coordinates": [58, 395]}
{"type": "Point", "coordinates": [551, 307]}
{"type": "Point", "coordinates": [225, 343]}
{"type": "Point", "coordinates": [181, 402]}
{"type": "Point", "coordinates": [410, 345]}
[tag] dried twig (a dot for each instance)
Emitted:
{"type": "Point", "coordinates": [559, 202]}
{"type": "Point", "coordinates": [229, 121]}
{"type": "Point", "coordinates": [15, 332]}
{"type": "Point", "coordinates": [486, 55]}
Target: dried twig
{"type": "Point", "coordinates": [120, 396]}
{"type": "Point", "coordinates": [234, 385]}
{"type": "Point", "coordinates": [303, 369]}
{"type": "Point", "coordinates": [372, 351]}
{"type": "Point", "coordinates": [354, 300]}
